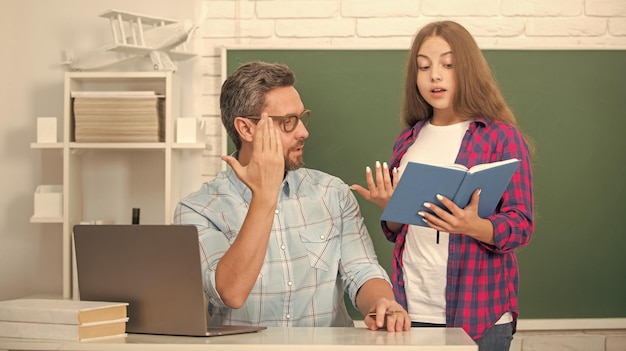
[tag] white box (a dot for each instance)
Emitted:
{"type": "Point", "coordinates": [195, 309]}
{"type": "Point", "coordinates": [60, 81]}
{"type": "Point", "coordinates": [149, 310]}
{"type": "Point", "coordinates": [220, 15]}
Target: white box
{"type": "Point", "coordinates": [186, 130]}
{"type": "Point", "coordinates": [46, 129]}
{"type": "Point", "coordinates": [49, 201]}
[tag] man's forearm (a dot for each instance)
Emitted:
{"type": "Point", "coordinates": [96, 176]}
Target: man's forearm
{"type": "Point", "coordinates": [238, 269]}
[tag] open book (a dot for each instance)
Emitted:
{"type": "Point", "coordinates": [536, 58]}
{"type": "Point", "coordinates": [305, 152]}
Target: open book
{"type": "Point", "coordinates": [421, 183]}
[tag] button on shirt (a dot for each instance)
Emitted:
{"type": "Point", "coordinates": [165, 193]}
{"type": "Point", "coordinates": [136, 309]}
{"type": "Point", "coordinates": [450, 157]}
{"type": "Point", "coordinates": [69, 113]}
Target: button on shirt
{"type": "Point", "coordinates": [318, 247]}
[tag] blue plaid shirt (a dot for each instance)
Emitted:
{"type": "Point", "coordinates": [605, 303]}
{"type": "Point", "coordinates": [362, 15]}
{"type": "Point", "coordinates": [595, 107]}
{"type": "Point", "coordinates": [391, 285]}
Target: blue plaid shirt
{"type": "Point", "coordinates": [319, 247]}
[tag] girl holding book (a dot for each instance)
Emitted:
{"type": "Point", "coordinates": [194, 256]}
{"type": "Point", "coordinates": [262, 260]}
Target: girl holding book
{"type": "Point", "coordinates": [460, 270]}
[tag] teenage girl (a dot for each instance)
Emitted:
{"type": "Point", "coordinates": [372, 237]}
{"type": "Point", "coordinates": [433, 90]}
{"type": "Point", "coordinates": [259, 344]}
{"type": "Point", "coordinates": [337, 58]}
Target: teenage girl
{"type": "Point", "coordinates": [461, 271]}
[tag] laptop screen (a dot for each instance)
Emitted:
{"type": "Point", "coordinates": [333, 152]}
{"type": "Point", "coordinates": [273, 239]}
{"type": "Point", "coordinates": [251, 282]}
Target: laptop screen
{"type": "Point", "coordinates": [155, 268]}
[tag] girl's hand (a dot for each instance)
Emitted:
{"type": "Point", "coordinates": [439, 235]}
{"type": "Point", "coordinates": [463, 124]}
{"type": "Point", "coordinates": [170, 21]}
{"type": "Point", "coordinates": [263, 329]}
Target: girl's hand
{"type": "Point", "coordinates": [459, 220]}
{"type": "Point", "coordinates": [379, 191]}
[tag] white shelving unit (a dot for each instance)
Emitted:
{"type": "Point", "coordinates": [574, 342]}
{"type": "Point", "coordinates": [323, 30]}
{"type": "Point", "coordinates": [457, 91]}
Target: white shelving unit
{"type": "Point", "coordinates": [104, 181]}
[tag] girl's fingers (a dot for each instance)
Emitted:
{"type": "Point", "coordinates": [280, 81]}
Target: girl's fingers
{"type": "Point", "coordinates": [369, 179]}
{"type": "Point", "coordinates": [380, 182]}
{"type": "Point", "coordinates": [386, 177]}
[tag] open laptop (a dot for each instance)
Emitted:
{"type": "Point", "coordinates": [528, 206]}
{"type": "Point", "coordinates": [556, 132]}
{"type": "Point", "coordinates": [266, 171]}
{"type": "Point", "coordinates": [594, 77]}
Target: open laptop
{"type": "Point", "coordinates": [156, 269]}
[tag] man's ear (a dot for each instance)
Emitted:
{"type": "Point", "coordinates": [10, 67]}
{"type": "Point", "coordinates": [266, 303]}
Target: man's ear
{"type": "Point", "coordinates": [245, 128]}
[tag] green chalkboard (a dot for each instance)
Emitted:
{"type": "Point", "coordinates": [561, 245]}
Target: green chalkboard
{"type": "Point", "coordinates": [572, 104]}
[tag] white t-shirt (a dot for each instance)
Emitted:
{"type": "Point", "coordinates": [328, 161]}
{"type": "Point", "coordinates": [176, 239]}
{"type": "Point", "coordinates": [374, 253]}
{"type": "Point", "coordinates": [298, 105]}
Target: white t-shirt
{"type": "Point", "coordinates": [425, 256]}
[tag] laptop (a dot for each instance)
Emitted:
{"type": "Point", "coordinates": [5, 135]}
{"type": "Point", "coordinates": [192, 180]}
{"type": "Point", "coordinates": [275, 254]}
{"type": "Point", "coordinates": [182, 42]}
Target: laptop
{"type": "Point", "coordinates": [156, 269]}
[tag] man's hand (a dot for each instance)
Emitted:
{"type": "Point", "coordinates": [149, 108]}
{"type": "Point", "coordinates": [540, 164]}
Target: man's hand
{"type": "Point", "coordinates": [387, 314]}
{"type": "Point", "coordinates": [266, 168]}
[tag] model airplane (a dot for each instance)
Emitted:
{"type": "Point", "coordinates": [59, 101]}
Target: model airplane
{"type": "Point", "coordinates": [162, 41]}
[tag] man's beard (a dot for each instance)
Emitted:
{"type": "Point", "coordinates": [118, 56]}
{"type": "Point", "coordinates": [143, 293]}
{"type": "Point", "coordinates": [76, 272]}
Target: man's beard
{"type": "Point", "coordinates": [292, 165]}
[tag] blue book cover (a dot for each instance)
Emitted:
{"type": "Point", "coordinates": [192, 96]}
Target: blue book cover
{"type": "Point", "coordinates": [422, 182]}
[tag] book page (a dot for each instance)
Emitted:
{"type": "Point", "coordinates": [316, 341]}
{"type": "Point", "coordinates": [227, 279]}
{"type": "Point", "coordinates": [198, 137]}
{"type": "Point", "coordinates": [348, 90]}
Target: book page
{"type": "Point", "coordinates": [452, 166]}
{"type": "Point", "coordinates": [480, 167]}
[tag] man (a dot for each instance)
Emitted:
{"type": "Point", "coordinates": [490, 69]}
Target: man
{"type": "Point", "coordinates": [281, 243]}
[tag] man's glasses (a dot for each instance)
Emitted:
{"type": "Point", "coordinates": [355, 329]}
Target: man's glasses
{"type": "Point", "coordinates": [288, 122]}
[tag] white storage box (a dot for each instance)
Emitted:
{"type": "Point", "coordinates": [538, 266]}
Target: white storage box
{"type": "Point", "coordinates": [49, 201]}
{"type": "Point", "coordinates": [186, 130]}
{"type": "Point", "coordinates": [46, 129]}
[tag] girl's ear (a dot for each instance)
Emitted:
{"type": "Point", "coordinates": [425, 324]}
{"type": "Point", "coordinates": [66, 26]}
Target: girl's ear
{"type": "Point", "coordinates": [245, 128]}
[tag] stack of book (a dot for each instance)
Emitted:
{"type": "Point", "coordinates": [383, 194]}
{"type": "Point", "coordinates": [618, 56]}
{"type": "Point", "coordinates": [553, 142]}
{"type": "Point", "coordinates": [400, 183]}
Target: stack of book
{"type": "Point", "coordinates": [118, 116]}
{"type": "Point", "coordinates": [57, 319]}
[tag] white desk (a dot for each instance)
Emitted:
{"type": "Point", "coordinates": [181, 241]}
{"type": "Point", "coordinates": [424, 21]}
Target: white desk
{"type": "Point", "coordinates": [272, 339]}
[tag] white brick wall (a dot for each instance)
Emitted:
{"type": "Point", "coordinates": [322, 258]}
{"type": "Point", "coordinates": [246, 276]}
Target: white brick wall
{"type": "Point", "coordinates": [482, 8]}
{"type": "Point", "coordinates": [540, 8]}
{"type": "Point", "coordinates": [605, 8]}
{"type": "Point", "coordinates": [381, 8]}
{"type": "Point", "coordinates": [496, 24]}
{"type": "Point", "coordinates": [296, 9]}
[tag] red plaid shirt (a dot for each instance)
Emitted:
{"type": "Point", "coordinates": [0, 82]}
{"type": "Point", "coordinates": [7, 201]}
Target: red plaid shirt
{"type": "Point", "coordinates": [482, 279]}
